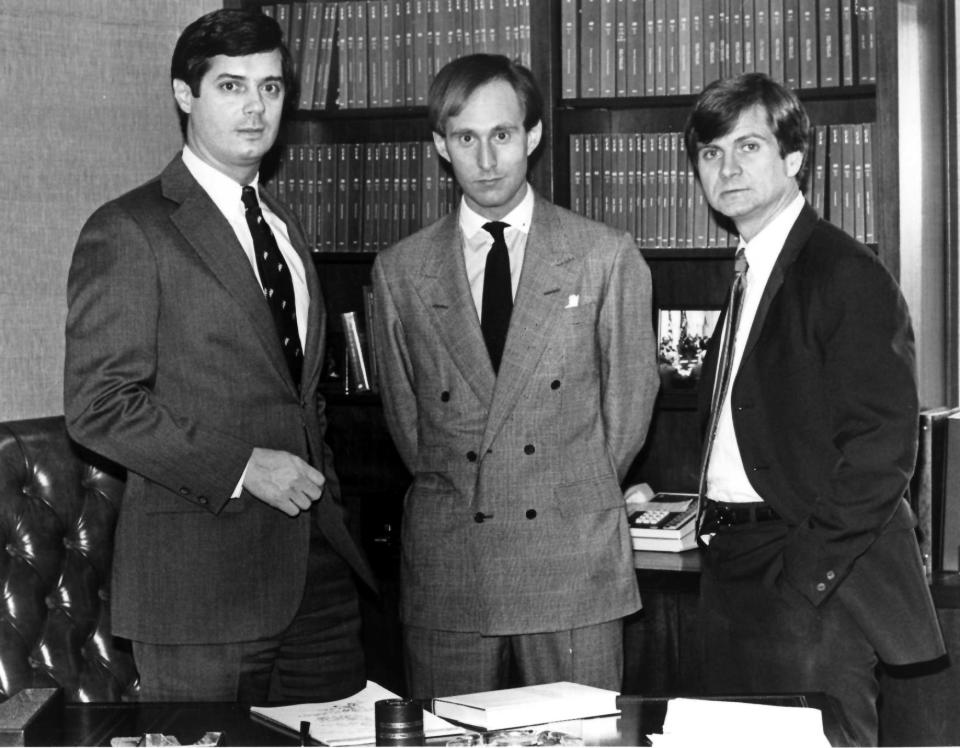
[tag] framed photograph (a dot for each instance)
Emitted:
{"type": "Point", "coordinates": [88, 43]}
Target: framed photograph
{"type": "Point", "coordinates": [683, 335]}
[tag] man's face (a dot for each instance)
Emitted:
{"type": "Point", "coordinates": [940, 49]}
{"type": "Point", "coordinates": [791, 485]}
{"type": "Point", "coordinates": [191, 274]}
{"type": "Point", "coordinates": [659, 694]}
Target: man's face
{"type": "Point", "coordinates": [235, 119]}
{"type": "Point", "coordinates": [744, 176]}
{"type": "Point", "coordinates": [487, 145]}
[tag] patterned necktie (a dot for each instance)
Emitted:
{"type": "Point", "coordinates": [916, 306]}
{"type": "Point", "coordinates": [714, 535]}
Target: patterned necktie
{"type": "Point", "coordinates": [497, 295]}
{"type": "Point", "coordinates": [724, 365]}
{"type": "Point", "coordinates": [276, 281]}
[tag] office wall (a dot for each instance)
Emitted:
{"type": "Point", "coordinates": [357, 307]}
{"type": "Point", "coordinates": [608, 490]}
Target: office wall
{"type": "Point", "coordinates": [86, 115]}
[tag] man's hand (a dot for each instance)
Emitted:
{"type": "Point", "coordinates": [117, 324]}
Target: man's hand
{"type": "Point", "coordinates": [283, 480]}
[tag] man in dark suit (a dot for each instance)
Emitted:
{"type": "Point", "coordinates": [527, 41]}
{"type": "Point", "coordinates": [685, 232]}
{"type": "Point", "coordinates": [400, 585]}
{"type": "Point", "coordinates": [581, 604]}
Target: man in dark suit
{"type": "Point", "coordinates": [233, 571]}
{"type": "Point", "coordinates": [516, 551]}
{"type": "Point", "coordinates": [812, 569]}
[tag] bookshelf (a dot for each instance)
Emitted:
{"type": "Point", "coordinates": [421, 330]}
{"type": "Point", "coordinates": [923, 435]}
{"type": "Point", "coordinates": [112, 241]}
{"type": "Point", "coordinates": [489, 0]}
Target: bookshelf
{"type": "Point", "coordinates": [620, 74]}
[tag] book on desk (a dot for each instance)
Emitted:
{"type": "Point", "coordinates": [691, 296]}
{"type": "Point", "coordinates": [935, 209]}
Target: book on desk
{"type": "Point", "coordinates": [527, 705]}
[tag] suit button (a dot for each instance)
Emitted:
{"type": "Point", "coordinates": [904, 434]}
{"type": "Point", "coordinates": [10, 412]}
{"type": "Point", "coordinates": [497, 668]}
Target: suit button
{"type": "Point", "coordinates": [831, 575]}
{"type": "Point", "coordinates": [531, 513]}
{"type": "Point", "coordinates": [472, 456]}
{"type": "Point", "coordinates": [201, 499]}
{"type": "Point", "coordinates": [529, 449]}
{"type": "Point", "coordinates": [445, 396]}
{"type": "Point", "coordinates": [555, 384]}
{"type": "Point", "coordinates": [478, 518]}
{"type": "Point", "coordinates": [821, 587]}
{"type": "Point", "coordinates": [184, 491]}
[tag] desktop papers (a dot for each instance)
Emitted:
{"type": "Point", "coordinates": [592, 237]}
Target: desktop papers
{"type": "Point", "coordinates": [735, 724]}
{"type": "Point", "coordinates": [349, 721]}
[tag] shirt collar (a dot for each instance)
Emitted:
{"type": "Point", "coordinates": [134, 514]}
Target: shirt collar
{"type": "Point", "coordinates": [763, 250]}
{"type": "Point", "coordinates": [519, 218]}
{"type": "Point", "coordinates": [223, 190]}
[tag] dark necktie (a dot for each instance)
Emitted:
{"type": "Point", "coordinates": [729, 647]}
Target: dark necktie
{"type": "Point", "coordinates": [721, 379]}
{"type": "Point", "coordinates": [277, 282]}
{"type": "Point", "coordinates": [497, 295]}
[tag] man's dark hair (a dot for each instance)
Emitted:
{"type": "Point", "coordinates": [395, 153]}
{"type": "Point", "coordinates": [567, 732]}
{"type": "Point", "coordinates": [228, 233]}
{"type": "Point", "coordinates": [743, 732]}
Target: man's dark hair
{"type": "Point", "coordinates": [234, 33]}
{"type": "Point", "coordinates": [720, 105]}
{"type": "Point", "coordinates": [457, 81]}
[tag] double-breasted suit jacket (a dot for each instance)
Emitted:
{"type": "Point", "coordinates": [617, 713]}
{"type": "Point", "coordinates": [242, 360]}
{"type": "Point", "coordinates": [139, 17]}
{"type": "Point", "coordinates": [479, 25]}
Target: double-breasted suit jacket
{"type": "Point", "coordinates": [515, 519]}
{"type": "Point", "coordinates": [174, 370]}
{"type": "Point", "coordinates": [825, 412]}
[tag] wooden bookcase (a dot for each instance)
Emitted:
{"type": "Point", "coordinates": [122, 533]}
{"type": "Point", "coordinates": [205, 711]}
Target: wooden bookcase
{"type": "Point", "coordinates": [372, 475]}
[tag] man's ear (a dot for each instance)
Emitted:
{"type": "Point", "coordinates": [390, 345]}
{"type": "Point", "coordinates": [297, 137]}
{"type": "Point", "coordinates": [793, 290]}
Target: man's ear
{"type": "Point", "coordinates": [533, 137]}
{"type": "Point", "coordinates": [793, 163]}
{"type": "Point", "coordinates": [440, 143]}
{"type": "Point", "coordinates": [183, 95]}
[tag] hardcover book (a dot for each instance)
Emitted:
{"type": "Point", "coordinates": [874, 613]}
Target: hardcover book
{"type": "Point", "coordinates": [527, 705]}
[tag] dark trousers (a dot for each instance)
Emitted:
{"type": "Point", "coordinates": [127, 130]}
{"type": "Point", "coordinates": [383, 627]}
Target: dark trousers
{"type": "Point", "coordinates": [318, 657]}
{"type": "Point", "coordinates": [447, 663]}
{"type": "Point", "coordinates": [759, 635]}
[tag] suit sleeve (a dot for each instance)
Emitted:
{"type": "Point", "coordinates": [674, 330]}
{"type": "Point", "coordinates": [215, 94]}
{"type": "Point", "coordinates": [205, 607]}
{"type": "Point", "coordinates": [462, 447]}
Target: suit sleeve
{"type": "Point", "coordinates": [110, 374]}
{"type": "Point", "coordinates": [870, 387]}
{"type": "Point", "coordinates": [395, 369]}
{"type": "Point", "coordinates": [628, 361]}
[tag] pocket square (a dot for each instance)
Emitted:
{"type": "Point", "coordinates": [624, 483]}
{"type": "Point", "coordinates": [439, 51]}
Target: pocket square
{"type": "Point", "coordinates": [573, 301]}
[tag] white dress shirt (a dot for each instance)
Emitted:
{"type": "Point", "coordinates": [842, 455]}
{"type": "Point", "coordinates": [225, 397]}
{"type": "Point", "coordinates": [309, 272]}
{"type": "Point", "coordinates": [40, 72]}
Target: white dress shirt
{"type": "Point", "coordinates": [225, 193]}
{"type": "Point", "coordinates": [477, 243]}
{"type": "Point", "coordinates": [726, 477]}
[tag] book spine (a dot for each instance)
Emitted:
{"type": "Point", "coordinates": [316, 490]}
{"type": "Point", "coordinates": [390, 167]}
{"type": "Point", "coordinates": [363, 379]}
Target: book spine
{"type": "Point", "coordinates": [590, 33]}
{"type": "Point", "coordinates": [869, 227]}
{"type": "Point", "coordinates": [830, 48]}
{"type": "Point", "coordinates": [621, 74]}
{"type": "Point", "coordinates": [791, 43]}
{"type": "Point", "coordinates": [777, 41]}
{"type": "Point", "coordinates": [761, 37]}
{"type": "Point", "coordinates": [848, 40]}
{"type": "Point", "coordinates": [608, 48]}
{"type": "Point", "coordinates": [696, 46]}
{"type": "Point", "coordinates": [569, 49]}
{"type": "Point", "coordinates": [684, 46]}
{"type": "Point", "coordinates": [809, 57]}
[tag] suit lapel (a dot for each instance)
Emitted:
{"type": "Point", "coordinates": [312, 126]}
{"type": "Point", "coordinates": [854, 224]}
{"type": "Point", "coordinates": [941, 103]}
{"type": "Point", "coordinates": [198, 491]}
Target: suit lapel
{"type": "Point", "coordinates": [546, 273]}
{"type": "Point", "coordinates": [796, 240]}
{"type": "Point", "coordinates": [206, 230]}
{"type": "Point", "coordinates": [445, 291]}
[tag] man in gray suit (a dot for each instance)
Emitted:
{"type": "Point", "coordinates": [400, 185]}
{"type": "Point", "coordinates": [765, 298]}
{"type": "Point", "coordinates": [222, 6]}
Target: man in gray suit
{"type": "Point", "coordinates": [233, 571]}
{"type": "Point", "coordinates": [516, 551]}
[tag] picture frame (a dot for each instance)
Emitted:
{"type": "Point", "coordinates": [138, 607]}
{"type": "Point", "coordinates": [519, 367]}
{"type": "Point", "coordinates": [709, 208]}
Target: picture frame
{"type": "Point", "coordinates": [682, 339]}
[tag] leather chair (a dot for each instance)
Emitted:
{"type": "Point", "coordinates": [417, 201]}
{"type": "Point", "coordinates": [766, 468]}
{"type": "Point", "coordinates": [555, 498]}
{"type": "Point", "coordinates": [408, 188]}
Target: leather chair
{"type": "Point", "coordinates": [58, 510]}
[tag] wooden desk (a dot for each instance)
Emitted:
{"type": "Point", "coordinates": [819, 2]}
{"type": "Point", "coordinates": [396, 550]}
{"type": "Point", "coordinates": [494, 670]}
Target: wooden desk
{"type": "Point", "coordinates": [96, 724]}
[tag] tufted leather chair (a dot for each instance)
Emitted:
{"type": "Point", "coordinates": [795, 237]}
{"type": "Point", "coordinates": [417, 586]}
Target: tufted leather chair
{"type": "Point", "coordinates": [58, 510]}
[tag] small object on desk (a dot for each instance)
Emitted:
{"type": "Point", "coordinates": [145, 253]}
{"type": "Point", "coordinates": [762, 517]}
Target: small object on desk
{"type": "Point", "coordinates": [399, 722]}
{"type": "Point", "coordinates": [527, 705]}
{"type": "Point", "coordinates": [665, 523]}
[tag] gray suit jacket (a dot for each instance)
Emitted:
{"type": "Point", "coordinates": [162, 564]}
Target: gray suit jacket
{"type": "Point", "coordinates": [174, 370]}
{"type": "Point", "coordinates": [515, 520]}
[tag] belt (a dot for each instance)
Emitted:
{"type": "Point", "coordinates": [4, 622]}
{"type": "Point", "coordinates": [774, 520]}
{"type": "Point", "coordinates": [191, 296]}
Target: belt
{"type": "Point", "coordinates": [724, 514]}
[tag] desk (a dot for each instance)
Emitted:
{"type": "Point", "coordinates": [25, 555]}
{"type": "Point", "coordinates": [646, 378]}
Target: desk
{"type": "Point", "coordinates": [96, 724]}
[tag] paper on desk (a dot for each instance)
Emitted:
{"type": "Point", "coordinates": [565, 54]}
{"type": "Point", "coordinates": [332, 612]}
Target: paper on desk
{"type": "Point", "coordinates": [350, 721]}
{"type": "Point", "coordinates": [719, 724]}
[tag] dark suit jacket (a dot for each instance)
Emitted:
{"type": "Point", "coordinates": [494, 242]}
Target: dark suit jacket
{"type": "Point", "coordinates": [538, 451]}
{"type": "Point", "coordinates": [174, 370]}
{"type": "Point", "coordinates": [826, 416]}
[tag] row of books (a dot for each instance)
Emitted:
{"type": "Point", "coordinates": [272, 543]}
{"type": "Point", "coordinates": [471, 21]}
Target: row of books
{"type": "Point", "coordinates": [643, 183]}
{"type": "Point", "coordinates": [362, 197]}
{"type": "Point", "coordinates": [358, 54]}
{"type": "Point", "coordinates": [614, 48]}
